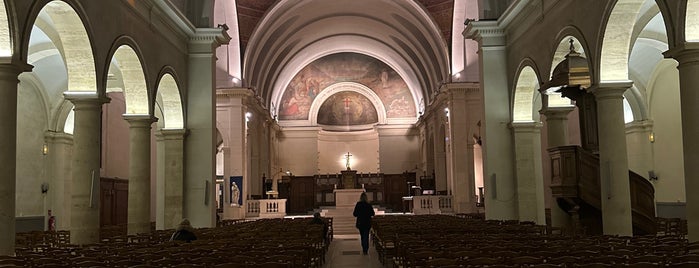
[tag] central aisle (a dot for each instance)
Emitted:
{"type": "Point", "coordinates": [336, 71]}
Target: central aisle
{"type": "Point", "coordinates": [345, 251]}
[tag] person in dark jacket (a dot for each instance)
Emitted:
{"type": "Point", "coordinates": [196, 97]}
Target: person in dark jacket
{"type": "Point", "coordinates": [184, 232]}
{"type": "Point", "coordinates": [363, 211]}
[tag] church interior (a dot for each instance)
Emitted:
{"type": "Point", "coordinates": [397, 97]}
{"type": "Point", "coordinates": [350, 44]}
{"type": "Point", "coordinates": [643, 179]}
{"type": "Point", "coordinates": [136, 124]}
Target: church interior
{"type": "Point", "coordinates": [521, 122]}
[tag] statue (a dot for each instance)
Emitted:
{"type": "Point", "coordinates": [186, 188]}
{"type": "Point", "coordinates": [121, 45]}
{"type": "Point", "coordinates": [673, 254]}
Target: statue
{"type": "Point", "coordinates": [235, 193]}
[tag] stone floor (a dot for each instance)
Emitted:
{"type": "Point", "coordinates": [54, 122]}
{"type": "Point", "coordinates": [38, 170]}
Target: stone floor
{"type": "Point", "coordinates": [346, 251]}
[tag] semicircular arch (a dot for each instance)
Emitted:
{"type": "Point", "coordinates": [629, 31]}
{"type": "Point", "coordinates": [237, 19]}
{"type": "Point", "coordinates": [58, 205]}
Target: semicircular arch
{"type": "Point", "coordinates": [526, 90]}
{"type": "Point", "coordinates": [168, 96]}
{"type": "Point", "coordinates": [67, 19]}
{"type": "Point", "coordinates": [127, 60]}
{"type": "Point", "coordinates": [347, 86]}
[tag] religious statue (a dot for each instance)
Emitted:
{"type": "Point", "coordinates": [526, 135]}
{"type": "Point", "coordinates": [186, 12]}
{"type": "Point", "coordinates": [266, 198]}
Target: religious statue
{"type": "Point", "coordinates": [235, 192]}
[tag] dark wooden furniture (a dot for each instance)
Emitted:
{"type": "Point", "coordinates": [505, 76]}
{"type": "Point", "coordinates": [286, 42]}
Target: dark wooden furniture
{"type": "Point", "coordinates": [575, 183]}
{"type": "Point", "coordinates": [114, 197]}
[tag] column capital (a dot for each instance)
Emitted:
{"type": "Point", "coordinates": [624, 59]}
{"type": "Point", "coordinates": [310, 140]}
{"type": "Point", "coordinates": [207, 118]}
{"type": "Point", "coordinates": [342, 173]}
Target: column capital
{"type": "Point", "coordinates": [639, 126]}
{"type": "Point", "coordinates": [12, 70]}
{"type": "Point", "coordinates": [557, 112]}
{"type": "Point", "coordinates": [463, 90]}
{"type": "Point", "coordinates": [488, 33]}
{"type": "Point", "coordinates": [58, 137]}
{"type": "Point", "coordinates": [170, 134]}
{"type": "Point", "coordinates": [684, 53]}
{"type": "Point", "coordinates": [610, 90]}
{"type": "Point", "coordinates": [85, 100]}
{"type": "Point", "coordinates": [139, 120]}
{"type": "Point", "coordinates": [524, 127]}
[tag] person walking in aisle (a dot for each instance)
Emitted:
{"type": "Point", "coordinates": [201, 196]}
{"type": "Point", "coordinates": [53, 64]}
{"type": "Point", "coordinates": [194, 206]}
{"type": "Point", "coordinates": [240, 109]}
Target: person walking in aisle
{"type": "Point", "coordinates": [363, 211]}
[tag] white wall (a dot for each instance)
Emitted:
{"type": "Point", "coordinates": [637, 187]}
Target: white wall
{"type": "Point", "coordinates": [298, 150]}
{"type": "Point", "coordinates": [32, 165]}
{"type": "Point", "coordinates": [362, 145]}
{"type": "Point", "coordinates": [399, 149]}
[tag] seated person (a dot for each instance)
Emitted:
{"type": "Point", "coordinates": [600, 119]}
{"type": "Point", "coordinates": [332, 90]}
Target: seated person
{"type": "Point", "coordinates": [318, 220]}
{"type": "Point", "coordinates": [184, 232]}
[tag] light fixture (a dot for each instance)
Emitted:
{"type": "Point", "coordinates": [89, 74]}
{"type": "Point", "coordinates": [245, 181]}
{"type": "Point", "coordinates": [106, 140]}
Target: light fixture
{"type": "Point", "coordinates": [651, 137]}
{"type": "Point", "coordinates": [248, 116]}
{"type": "Point", "coordinates": [45, 149]}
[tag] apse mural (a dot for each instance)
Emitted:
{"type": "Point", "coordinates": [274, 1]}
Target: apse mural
{"type": "Point", "coordinates": [346, 67]}
{"type": "Point", "coordinates": [347, 108]}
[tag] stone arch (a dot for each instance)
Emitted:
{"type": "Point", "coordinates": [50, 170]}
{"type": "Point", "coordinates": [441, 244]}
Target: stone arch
{"type": "Point", "coordinates": [614, 65]}
{"type": "Point", "coordinates": [129, 64]}
{"type": "Point", "coordinates": [691, 23]}
{"type": "Point", "coordinates": [346, 86]}
{"type": "Point", "coordinates": [75, 42]}
{"type": "Point", "coordinates": [562, 49]}
{"type": "Point", "coordinates": [526, 92]}
{"type": "Point", "coordinates": [5, 31]}
{"type": "Point", "coordinates": [169, 100]}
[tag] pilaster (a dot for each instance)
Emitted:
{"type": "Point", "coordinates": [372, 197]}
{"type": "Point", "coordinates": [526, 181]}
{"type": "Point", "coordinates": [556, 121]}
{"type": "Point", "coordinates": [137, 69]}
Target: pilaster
{"type": "Point", "coordinates": [530, 179]}
{"type": "Point", "coordinates": [232, 106]}
{"type": "Point", "coordinates": [169, 185]}
{"type": "Point", "coordinates": [139, 173]}
{"type": "Point", "coordinates": [86, 166]}
{"type": "Point", "coordinates": [8, 154]}
{"type": "Point", "coordinates": [60, 153]}
{"type": "Point", "coordinates": [200, 145]}
{"type": "Point", "coordinates": [463, 104]}
{"type": "Point", "coordinates": [687, 54]}
{"type": "Point", "coordinates": [614, 170]}
{"type": "Point", "coordinates": [498, 167]}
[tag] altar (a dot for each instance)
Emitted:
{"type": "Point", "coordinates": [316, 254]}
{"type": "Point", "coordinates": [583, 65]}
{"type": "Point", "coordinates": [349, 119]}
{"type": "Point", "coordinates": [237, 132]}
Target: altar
{"type": "Point", "coordinates": [347, 197]}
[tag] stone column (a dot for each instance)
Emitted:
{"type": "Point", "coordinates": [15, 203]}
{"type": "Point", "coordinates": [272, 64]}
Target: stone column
{"type": "Point", "coordinates": [498, 148]}
{"type": "Point", "coordinates": [614, 168]}
{"type": "Point", "coordinates": [8, 154]}
{"type": "Point", "coordinates": [557, 135]}
{"type": "Point", "coordinates": [139, 172]}
{"type": "Point", "coordinates": [200, 145]}
{"type": "Point", "coordinates": [231, 109]}
{"type": "Point", "coordinates": [60, 150]}
{"type": "Point", "coordinates": [85, 205]}
{"type": "Point", "coordinates": [169, 192]}
{"type": "Point", "coordinates": [530, 178]}
{"type": "Point", "coordinates": [687, 54]}
{"type": "Point", "coordinates": [462, 99]}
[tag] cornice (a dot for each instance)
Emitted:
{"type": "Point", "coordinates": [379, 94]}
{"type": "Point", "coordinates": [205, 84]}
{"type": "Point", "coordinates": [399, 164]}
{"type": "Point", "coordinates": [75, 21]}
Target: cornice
{"type": "Point", "coordinates": [205, 40]}
{"type": "Point", "coordinates": [488, 33]}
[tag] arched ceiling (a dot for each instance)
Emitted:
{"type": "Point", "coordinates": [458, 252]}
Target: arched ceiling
{"type": "Point", "coordinates": [280, 39]}
{"type": "Point", "coordinates": [250, 12]}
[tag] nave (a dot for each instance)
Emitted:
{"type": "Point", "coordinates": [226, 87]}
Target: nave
{"type": "Point", "coordinates": [397, 241]}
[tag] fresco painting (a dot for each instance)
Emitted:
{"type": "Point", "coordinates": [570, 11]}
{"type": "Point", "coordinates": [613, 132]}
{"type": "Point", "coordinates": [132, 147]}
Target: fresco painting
{"type": "Point", "coordinates": [347, 108]}
{"type": "Point", "coordinates": [346, 67]}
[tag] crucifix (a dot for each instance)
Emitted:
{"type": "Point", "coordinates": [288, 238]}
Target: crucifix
{"type": "Point", "coordinates": [347, 160]}
{"type": "Point", "coordinates": [347, 102]}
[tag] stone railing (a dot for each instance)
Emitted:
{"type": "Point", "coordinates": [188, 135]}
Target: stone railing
{"type": "Point", "coordinates": [266, 208]}
{"type": "Point", "coordinates": [432, 204]}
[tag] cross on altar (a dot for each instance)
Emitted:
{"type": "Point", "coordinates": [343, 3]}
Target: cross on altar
{"type": "Point", "coordinates": [347, 159]}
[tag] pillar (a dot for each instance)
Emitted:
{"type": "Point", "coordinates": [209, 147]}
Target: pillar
{"type": "Point", "coordinates": [85, 205]}
{"type": "Point", "coordinates": [60, 150]}
{"type": "Point", "coordinates": [231, 113]}
{"type": "Point", "coordinates": [530, 178]}
{"type": "Point", "coordinates": [687, 55]}
{"type": "Point", "coordinates": [498, 167]}
{"type": "Point", "coordinates": [614, 168]}
{"type": "Point", "coordinates": [170, 170]}
{"type": "Point", "coordinates": [139, 172]}
{"type": "Point", "coordinates": [463, 99]}
{"type": "Point", "coordinates": [8, 154]}
{"type": "Point", "coordinates": [200, 145]}
{"type": "Point", "coordinates": [557, 135]}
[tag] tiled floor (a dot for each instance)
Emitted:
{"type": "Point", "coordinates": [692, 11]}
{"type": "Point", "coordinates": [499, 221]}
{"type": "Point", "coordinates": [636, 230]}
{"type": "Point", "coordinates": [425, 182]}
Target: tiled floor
{"type": "Point", "coordinates": [345, 251]}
